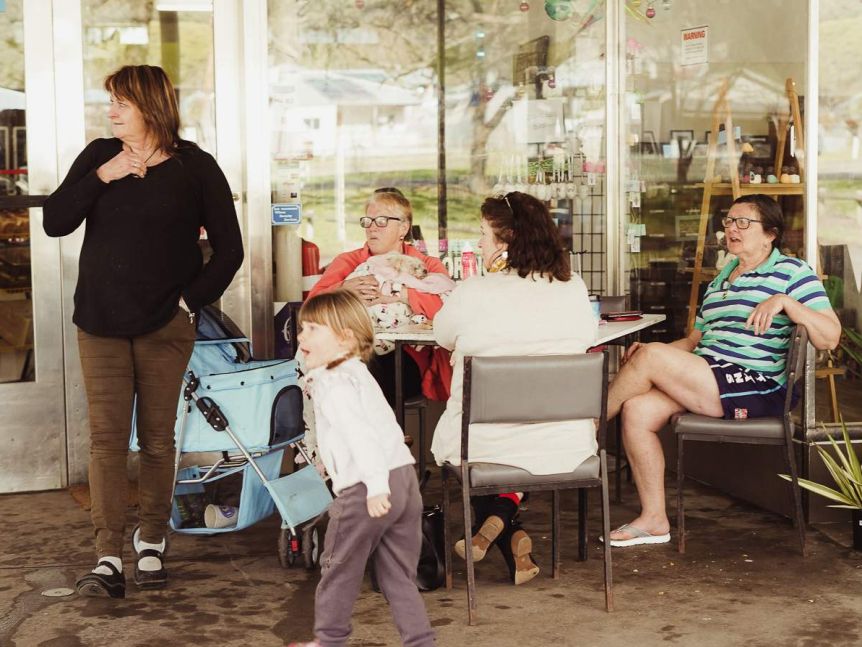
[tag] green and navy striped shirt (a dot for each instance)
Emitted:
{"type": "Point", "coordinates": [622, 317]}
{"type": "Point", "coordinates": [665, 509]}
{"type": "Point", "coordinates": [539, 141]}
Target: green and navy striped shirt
{"type": "Point", "coordinates": [727, 306]}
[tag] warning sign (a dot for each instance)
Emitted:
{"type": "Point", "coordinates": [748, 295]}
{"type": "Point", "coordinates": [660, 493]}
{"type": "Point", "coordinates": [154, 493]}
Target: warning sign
{"type": "Point", "coordinates": [695, 45]}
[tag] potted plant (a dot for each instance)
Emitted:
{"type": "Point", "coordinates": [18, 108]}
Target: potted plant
{"type": "Point", "coordinates": [847, 473]}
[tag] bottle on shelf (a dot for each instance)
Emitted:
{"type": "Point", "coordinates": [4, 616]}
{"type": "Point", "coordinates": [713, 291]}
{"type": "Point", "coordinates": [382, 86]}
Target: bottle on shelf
{"type": "Point", "coordinates": [468, 262]}
{"type": "Point", "coordinates": [418, 241]}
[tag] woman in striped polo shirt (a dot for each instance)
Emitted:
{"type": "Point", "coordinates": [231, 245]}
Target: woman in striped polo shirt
{"type": "Point", "coordinates": [732, 363]}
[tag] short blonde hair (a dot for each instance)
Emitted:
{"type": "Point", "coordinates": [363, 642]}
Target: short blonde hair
{"type": "Point", "coordinates": [394, 201]}
{"type": "Point", "coordinates": [342, 310]}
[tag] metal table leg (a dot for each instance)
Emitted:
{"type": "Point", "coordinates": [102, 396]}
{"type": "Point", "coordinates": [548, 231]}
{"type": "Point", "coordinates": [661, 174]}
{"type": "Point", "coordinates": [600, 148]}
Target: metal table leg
{"type": "Point", "coordinates": [399, 383]}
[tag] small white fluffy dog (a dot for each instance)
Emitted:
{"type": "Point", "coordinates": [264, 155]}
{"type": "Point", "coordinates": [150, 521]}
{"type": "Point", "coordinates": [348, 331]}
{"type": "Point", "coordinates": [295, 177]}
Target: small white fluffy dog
{"type": "Point", "coordinates": [395, 272]}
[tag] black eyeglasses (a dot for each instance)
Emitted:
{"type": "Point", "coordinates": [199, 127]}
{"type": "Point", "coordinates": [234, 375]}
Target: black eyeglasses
{"type": "Point", "coordinates": [741, 223]}
{"type": "Point", "coordinates": [380, 221]}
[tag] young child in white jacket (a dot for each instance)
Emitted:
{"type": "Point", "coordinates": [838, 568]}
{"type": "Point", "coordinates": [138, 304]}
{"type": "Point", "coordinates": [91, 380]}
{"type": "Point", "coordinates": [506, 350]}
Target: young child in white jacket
{"type": "Point", "coordinates": [377, 513]}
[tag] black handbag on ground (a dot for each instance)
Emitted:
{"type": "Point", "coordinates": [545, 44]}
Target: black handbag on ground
{"type": "Point", "coordinates": [431, 572]}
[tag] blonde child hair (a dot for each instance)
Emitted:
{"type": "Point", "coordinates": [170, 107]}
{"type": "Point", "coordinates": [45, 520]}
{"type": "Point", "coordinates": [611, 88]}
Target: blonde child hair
{"type": "Point", "coordinates": [345, 313]}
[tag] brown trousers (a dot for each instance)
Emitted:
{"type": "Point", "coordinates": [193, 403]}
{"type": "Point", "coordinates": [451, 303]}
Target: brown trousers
{"type": "Point", "coordinates": [116, 369]}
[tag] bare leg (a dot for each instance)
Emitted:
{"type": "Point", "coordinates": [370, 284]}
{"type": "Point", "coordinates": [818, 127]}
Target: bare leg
{"type": "Point", "coordinates": [642, 418]}
{"type": "Point", "coordinates": [680, 374]}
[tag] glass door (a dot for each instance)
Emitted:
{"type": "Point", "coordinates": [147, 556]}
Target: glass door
{"type": "Point", "coordinates": [31, 369]}
{"type": "Point", "coordinates": [207, 48]}
{"type": "Point", "coordinates": [695, 73]}
{"type": "Point", "coordinates": [179, 36]}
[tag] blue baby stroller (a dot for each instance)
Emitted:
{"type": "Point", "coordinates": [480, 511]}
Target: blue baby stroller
{"type": "Point", "coordinates": [250, 411]}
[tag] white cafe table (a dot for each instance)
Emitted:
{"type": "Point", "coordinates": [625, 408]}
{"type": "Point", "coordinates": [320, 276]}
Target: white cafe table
{"type": "Point", "coordinates": [608, 331]}
{"type": "Point", "coordinates": [612, 330]}
{"type": "Point", "coordinates": [424, 336]}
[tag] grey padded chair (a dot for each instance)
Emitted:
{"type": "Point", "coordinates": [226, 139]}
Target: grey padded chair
{"type": "Point", "coordinates": [754, 431]}
{"type": "Point", "coordinates": [531, 389]}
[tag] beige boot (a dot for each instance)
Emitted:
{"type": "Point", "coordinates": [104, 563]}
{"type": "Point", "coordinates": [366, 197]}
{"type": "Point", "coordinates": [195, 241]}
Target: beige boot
{"type": "Point", "coordinates": [482, 540]}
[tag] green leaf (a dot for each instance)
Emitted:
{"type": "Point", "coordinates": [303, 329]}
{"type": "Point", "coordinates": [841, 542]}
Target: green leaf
{"type": "Point", "coordinates": [855, 467]}
{"type": "Point", "coordinates": [844, 468]}
{"type": "Point", "coordinates": [853, 352]}
{"type": "Point", "coordinates": [835, 471]}
{"type": "Point", "coordinates": [845, 460]}
{"type": "Point", "coordinates": [840, 477]}
{"type": "Point", "coordinates": [822, 490]}
{"type": "Point", "coordinates": [848, 475]}
{"type": "Point", "coordinates": [853, 335]}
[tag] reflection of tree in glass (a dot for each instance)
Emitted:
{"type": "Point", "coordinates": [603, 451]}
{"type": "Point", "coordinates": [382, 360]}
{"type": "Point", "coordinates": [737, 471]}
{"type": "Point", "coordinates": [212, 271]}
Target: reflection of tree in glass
{"type": "Point", "coordinates": [129, 32]}
{"type": "Point", "coordinates": [328, 54]}
{"type": "Point", "coordinates": [401, 40]}
{"type": "Point", "coordinates": [12, 47]}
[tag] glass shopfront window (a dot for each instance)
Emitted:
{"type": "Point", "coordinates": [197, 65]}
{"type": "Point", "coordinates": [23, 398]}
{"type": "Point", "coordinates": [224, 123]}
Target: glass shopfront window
{"type": "Point", "coordinates": [178, 36]}
{"type": "Point", "coordinates": [839, 207]}
{"type": "Point", "coordinates": [352, 108]}
{"type": "Point", "coordinates": [695, 71]}
{"type": "Point", "coordinates": [16, 291]}
{"type": "Point", "coordinates": [525, 111]}
{"type": "Point", "coordinates": [358, 102]}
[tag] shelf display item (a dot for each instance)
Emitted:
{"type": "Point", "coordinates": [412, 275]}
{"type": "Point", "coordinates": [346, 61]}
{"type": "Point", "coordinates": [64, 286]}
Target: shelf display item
{"type": "Point", "coordinates": [713, 184]}
{"type": "Point", "coordinates": [559, 10]}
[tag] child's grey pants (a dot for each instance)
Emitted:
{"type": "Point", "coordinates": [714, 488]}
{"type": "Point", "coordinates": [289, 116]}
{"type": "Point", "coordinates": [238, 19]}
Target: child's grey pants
{"type": "Point", "coordinates": [393, 540]}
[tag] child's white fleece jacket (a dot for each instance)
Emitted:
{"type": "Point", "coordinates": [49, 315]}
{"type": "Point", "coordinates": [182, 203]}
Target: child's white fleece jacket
{"type": "Point", "coordinates": [358, 438]}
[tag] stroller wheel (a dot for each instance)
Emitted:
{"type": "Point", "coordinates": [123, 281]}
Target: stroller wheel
{"type": "Point", "coordinates": [311, 546]}
{"type": "Point", "coordinates": [289, 547]}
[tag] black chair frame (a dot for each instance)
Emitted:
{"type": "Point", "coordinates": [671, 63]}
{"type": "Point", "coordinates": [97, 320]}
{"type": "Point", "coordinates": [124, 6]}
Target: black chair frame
{"type": "Point", "coordinates": [795, 372]}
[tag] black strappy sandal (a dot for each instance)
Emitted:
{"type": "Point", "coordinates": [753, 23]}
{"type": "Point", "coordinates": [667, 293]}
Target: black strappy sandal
{"type": "Point", "coordinates": [98, 585]}
{"type": "Point", "coordinates": [149, 579]}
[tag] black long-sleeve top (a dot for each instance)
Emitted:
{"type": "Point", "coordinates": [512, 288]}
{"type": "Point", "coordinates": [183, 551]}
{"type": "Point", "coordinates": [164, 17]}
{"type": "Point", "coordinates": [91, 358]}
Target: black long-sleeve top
{"type": "Point", "coordinates": [140, 251]}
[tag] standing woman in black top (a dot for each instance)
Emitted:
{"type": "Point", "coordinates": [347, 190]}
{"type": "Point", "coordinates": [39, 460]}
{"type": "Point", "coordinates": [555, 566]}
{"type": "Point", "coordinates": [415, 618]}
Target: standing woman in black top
{"type": "Point", "coordinates": [144, 195]}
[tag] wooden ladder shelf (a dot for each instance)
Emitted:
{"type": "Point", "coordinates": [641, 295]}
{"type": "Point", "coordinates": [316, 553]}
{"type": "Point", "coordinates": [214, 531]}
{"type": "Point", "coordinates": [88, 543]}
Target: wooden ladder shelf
{"type": "Point", "coordinates": [721, 114]}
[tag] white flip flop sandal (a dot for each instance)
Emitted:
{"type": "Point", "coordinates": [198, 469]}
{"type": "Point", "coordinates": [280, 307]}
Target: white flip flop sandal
{"type": "Point", "coordinates": [638, 537]}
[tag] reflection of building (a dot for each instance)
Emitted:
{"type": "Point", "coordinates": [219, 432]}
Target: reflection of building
{"type": "Point", "coordinates": [315, 112]}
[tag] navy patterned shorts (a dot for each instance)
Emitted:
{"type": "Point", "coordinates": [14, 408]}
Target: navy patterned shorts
{"type": "Point", "coordinates": [746, 393]}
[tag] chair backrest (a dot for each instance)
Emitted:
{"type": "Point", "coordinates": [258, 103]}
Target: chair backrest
{"type": "Point", "coordinates": [535, 388]}
{"type": "Point", "coordinates": [795, 366]}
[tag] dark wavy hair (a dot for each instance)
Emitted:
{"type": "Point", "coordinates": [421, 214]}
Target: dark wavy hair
{"type": "Point", "coordinates": [534, 242]}
{"type": "Point", "coordinates": [769, 212]}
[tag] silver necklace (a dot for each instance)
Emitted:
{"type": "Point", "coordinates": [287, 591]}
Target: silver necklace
{"type": "Point", "coordinates": [155, 150]}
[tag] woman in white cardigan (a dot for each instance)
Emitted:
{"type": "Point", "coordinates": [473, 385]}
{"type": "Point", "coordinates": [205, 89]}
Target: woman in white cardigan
{"type": "Point", "coordinates": [528, 303]}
